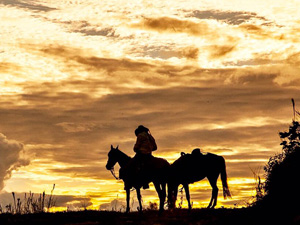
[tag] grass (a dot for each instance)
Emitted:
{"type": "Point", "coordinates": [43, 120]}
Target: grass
{"type": "Point", "coordinates": [244, 216]}
{"type": "Point", "coordinates": [31, 203]}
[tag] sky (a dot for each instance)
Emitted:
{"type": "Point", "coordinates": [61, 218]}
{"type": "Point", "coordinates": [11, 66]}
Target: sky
{"type": "Point", "coordinates": [78, 76]}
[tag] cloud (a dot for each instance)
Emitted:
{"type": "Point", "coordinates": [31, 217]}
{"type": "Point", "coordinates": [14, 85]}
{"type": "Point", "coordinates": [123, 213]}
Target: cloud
{"type": "Point", "coordinates": [73, 202]}
{"type": "Point", "coordinates": [10, 156]}
{"type": "Point", "coordinates": [174, 25]}
{"type": "Point", "coordinates": [107, 32]}
{"type": "Point", "coordinates": [106, 121]}
{"type": "Point", "coordinates": [294, 59]}
{"type": "Point", "coordinates": [87, 28]}
{"type": "Point", "coordinates": [93, 62]}
{"type": "Point", "coordinates": [230, 17]}
{"type": "Point", "coordinates": [184, 106]}
{"type": "Point", "coordinates": [261, 32]}
{"type": "Point", "coordinates": [167, 52]}
{"type": "Point", "coordinates": [88, 171]}
{"type": "Point", "coordinates": [190, 52]}
{"type": "Point", "coordinates": [116, 205]}
{"type": "Point", "coordinates": [218, 51]}
{"type": "Point", "coordinates": [6, 67]}
{"type": "Point", "coordinates": [73, 127]}
{"type": "Point", "coordinates": [31, 5]}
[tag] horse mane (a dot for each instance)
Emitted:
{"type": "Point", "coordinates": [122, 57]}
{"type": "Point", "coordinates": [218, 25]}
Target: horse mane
{"type": "Point", "coordinates": [123, 154]}
{"type": "Point", "coordinates": [124, 158]}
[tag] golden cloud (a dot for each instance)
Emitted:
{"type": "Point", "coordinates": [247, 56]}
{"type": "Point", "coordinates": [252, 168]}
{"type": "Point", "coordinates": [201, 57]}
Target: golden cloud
{"type": "Point", "coordinates": [218, 51]}
{"type": "Point", "coordinates": [174, 25]}
{"type": "Point", "coordinates": [190, 52]}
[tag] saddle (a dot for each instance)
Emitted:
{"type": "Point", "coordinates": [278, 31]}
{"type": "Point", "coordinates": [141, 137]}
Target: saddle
{"type": "Point", "coordinates": [138, 171]}
{"type": "Point", "coordinates": [185, 167]}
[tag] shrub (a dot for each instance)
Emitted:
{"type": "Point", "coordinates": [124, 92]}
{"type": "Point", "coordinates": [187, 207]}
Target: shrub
{"type": "Point", "coordinates": [282, 173]}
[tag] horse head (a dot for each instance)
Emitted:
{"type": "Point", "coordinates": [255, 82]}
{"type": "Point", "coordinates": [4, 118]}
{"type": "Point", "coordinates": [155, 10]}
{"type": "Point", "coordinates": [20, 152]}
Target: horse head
{"type": "Point", "coordinates": [112, 157]}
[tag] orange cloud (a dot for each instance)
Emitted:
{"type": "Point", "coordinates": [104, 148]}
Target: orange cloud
{"type": "Point", "coordinates": [294, 58]}
{"type": "Point", "coordinates": [190, 52]}
{"type": "Point", "coordinates": [174, 25]}
{"type": "Point", "coordinates": [218, 51]}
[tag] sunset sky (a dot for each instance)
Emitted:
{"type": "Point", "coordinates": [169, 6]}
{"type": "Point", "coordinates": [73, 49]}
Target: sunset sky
{"type": "Point", "coordinates": [77, 76]}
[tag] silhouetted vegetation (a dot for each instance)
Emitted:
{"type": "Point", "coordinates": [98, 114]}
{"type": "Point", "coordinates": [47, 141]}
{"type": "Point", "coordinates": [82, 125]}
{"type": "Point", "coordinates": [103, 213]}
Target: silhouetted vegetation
{"type": "Point", "coordinates": [31, 203]}
{"type": "Point", "coordinates": [280, 191]}
{"type": "Point", "coordinates": [244, 216]}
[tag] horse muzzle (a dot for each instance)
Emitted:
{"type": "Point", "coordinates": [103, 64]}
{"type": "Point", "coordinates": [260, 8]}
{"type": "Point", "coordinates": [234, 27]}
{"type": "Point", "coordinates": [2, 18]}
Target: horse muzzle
{"type": "Point", "coordinates": [108, 167]}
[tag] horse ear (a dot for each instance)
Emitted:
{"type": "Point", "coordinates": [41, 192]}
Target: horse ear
{"type": "Point", "coordinates": [117, 147]}
{"type": "Point", "coordinates": [111, 147]}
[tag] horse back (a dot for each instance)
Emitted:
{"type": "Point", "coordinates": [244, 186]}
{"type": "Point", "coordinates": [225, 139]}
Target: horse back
{"type": "Point", "coordinates": [189, 168]}
{"type": "Point", "coordinates": [159, 163]}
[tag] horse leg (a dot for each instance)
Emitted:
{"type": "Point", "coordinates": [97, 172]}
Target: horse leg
{"type": "Point", "coordinates": [174, 195]}
{"type": "Point", "coordinates": [214, 194]}
{"type": "Point", "coordinates": [163, 197]}
{"type": "Point", "coordinates": [139, 196]}
{"type": "Point", "coordinates": [127, 200]}
{"type": "Point", "coordinates": [160, 195]}
{"type": "Point", "coordinates": [187, 194]}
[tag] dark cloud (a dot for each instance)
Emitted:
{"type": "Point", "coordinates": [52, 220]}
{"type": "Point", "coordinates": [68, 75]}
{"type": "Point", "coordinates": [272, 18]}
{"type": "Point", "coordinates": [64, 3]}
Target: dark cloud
{"type": "Point", "coordinates": [107, 32]}
{"type": "Point", "coordinates": [30, 5]}
{"type": "Point", "coordinates": [87, 28]}
{"type": "Point", "coordinates": [73, 202]}
{"type": "Point", "coordinates": [230, 17]}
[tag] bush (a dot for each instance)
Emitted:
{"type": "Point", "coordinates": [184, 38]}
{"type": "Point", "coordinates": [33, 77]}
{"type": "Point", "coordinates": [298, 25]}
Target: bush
{"type": "Point", "coordinates": [282, 173]}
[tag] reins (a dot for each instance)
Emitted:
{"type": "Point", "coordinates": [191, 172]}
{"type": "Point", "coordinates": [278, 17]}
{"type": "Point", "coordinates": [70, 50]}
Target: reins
{"type": "Point", "coordinates": [112, 170]}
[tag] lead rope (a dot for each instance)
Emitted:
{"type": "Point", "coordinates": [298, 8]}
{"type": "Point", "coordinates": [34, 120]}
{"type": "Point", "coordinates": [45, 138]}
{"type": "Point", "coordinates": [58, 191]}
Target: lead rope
{"type": "Point", "coordinates": [112, 170]}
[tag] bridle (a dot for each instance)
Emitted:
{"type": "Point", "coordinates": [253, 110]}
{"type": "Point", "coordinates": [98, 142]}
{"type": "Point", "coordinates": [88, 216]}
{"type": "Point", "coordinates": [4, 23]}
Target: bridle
{"type": "Point", "coordinates": [112, 170]}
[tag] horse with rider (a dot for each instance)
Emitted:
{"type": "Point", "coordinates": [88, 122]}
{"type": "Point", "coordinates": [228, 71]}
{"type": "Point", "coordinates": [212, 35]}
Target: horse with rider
{"type": "Point", "coordinates": [143, 168]}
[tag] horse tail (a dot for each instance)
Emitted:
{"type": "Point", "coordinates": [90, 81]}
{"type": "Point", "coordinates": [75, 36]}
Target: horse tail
{"type": "Point", "coordinates": [226, 192]}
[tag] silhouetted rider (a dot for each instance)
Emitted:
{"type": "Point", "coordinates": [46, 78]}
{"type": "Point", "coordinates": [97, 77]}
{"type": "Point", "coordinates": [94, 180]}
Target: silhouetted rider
{"type": "Point", "coordinates": [145, 144]}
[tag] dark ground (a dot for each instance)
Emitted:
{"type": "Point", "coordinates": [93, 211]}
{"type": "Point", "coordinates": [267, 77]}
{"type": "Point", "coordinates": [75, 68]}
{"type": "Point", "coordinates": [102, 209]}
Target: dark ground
{"type": "Point", "coordinates": [246, 216]}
